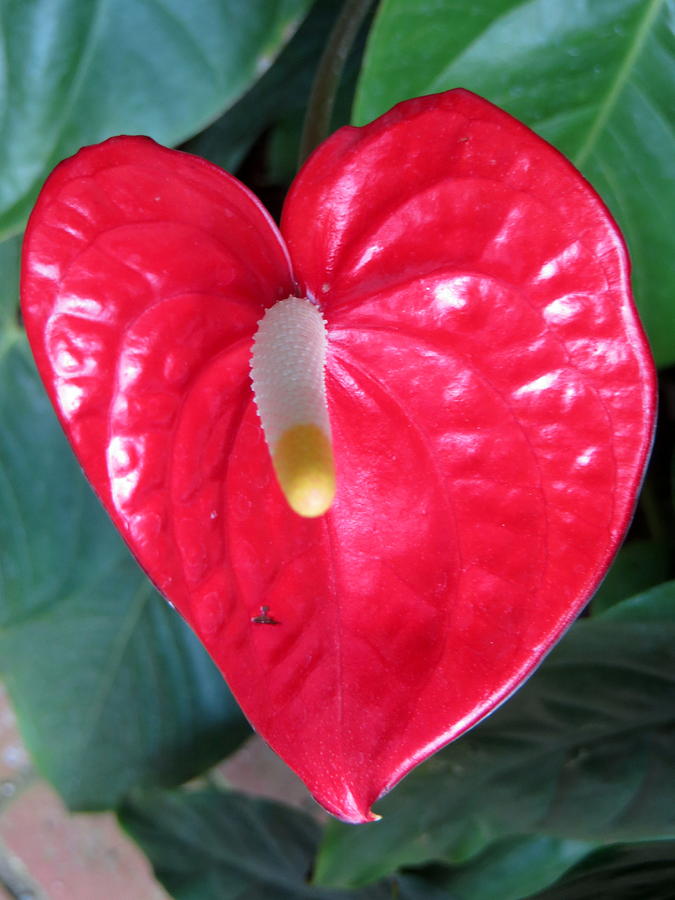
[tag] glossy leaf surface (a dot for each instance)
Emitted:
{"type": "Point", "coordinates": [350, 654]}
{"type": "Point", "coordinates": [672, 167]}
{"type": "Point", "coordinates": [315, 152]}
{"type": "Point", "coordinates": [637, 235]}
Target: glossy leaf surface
{"type": "Point", "coordinates": [281, 92]}
{"type": "Point", "coordinates": [208, 844]}
{"type": "Point", "coordinates": [110, 687]}
{"type": "Point", "coordinates": [220, 845]}
{"type": "Point", "coordinates": [76, 71]}
{"type": "Point", "coordinates": [655, 605]}
{"type": "Point", "coordinates": [490, 393]}
{"type": "Point", "coordinates": [596, 79]}
{"type": "Point", "coordinates": [585, 751]}
{"type": "Point", "coordinates": [512, 869]}
{"type": "Point", "coordinates": [625, 872]}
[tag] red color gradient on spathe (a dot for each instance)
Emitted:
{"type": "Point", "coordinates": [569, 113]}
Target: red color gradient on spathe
{"type": "Point", "coordinates": [490, 391]}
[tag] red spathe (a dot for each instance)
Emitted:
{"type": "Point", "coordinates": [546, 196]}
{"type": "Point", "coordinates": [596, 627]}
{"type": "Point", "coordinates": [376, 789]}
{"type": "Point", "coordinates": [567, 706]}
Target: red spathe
{"type": "Point", "coordinates": [491, 397]}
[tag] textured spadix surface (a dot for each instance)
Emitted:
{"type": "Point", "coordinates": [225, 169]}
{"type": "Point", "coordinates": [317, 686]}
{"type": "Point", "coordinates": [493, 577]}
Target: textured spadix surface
{"type": "Point", "coordinates": [288, 364]}
{"type": "Point", "coordinates": [491, 400]}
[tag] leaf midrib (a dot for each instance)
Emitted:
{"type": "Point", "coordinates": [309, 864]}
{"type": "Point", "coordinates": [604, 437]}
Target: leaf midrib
{"type": "Point", "coordinates": [623, 73]}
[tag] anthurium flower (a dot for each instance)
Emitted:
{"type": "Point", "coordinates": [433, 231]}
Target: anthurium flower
{"type": "Point", "coordinates": [457, 401]}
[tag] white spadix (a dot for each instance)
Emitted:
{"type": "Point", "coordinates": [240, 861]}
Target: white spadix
{"type": "Point", "coordinates": [287, 371]}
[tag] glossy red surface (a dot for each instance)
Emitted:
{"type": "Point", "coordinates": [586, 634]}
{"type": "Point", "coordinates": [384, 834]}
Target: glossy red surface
{"type": "Point", "coordinates": [491, 398]}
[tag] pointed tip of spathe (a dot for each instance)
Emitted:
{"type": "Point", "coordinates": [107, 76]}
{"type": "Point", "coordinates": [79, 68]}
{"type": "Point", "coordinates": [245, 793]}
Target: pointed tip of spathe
{"type": "Point", "coordinates": [364, 818]}
{"type": "Point", "coordinates": [347, 809]}
{"type": "Point", "coordinates": [353, 817]}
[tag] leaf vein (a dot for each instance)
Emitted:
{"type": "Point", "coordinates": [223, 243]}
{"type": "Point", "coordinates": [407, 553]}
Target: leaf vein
{"type": "Point", "coordinates": [623, 74]}
{"type": "Point", "coordinates": [118, 650]}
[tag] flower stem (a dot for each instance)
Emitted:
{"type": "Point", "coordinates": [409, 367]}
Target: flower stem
{"type": "Point", "coordinates": [328, 74]}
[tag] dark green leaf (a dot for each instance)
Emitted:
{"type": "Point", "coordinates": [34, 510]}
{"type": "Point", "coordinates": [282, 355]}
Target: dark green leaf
{"type": "Point", "coordinates": [218, 845]}
{"type": "Point", "coordinates": [512, 869]}
{"type": "Point", "coordinates": [77, 71]}
{"type": "Point", "coordinates": [596, 79]}
{"type": "Point", "coordinates": [286, 132]}
{"type": "Point", "coordinates": [654, 605]}
{"type": "Point", "coordinates": [639, 872]}
{"type": "Point", "coordinates": [584, 751]}
{"type": "Point", "coordinates": [638, 566]}
{"type": "Point", "coordinates": [110, 687]}
{"type": "Point", "coordinates": [283, 149]}
{"type": "Point", "coordinates": [277, 103]}
{"type": "Point", "coordinates": [282, 91]}
{"type": "Point", "coordinates": [212, 844]}
{"type": "Point", "coordinates": [10, 252]}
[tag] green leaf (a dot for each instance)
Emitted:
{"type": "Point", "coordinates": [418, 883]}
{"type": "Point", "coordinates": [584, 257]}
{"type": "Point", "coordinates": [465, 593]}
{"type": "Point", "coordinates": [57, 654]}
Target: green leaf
{"type": "Point", "coordinates": [584, 751]}
{"type": "Point", "coordinates": [654, 605]}
{"type": "Point", "coordinates": [111, 688]}
{"type": "Point", "coordinates": [75, 72]}
{"type": "Point", "coordinates": [283, 149]}
{"type": "Point", "coordinates": [10, 256]}
{"type": "Point", "coordinates": [639, 872]}
{"type": "Point", "coordinates": [286, 133]}
{"type": "Point", "coordinates": [515, 868]}
{"type": "Point", "coordinates": [509, 870]}
{"type": "Point", "coordinates": [208, 843]}
{"type": "Point", "coordinates": [277, 103]}
{"type": "Point", "coordinates": [281, 92]}
{"type": "Point", "coordinates": [596, 79]}
{"type": "Point", "coordinates": [220, 845]}
{"type": "Point", "coordinates": [638, 566]}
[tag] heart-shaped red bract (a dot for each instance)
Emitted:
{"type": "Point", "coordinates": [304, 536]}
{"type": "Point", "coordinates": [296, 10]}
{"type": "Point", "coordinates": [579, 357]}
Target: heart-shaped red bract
{"type": "Point", "coordinates": [490, 391]}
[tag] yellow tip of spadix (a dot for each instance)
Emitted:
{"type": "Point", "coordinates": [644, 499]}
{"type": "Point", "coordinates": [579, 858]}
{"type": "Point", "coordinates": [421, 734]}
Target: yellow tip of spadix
{"type": "Point", "coordinates": [303, 461]}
